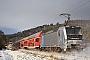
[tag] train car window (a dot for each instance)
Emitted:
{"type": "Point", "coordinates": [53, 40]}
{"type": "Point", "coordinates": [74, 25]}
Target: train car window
{"type": "Point", "coordinates": [25, 42]}
{"type": "Point", "coordinates": [37, 40]}
{"type": "Point", "coordinates": [58, 32]}
{"type": "Point", "coordinates": [29, 44]}
{"type": "Point", "coordinates": [21, 45]}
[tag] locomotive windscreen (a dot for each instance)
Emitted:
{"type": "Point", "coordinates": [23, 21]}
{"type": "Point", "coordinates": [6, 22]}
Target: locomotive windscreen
{"type": "Point", "coordinates": [74, 33]}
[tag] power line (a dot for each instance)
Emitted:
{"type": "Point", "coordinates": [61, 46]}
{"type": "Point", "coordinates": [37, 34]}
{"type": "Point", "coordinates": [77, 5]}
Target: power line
{"type": "Point", "coordinates": [68, 9]}
{"type": "Point", "coordinates": [71, 10]}
{"type": "Point", "coordinates": [79, 6]}
{"type": "Point", "coordinates": [55, 19]}
{"type": "Point", "coordinates": [74, 5]}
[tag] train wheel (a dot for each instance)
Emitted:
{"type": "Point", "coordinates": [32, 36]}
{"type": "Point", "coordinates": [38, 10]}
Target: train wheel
{"type": "Point", "coordinates": [59, 49]}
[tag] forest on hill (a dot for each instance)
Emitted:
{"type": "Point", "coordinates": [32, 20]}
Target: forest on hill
{"type": "Point", "coordinates": [2, 40]}
{"type": "Point", "coordinates": [25, 33]}
{"type": "Point", "coordinates": [85, 24]}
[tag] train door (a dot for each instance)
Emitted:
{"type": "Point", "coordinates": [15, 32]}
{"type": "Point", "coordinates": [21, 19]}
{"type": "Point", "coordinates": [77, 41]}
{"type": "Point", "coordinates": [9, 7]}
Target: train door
{"type": "Point", "coordinates": [37, 42]}
{"type": "Point", "coordinates": [25, 43]}
{"type": "Point", "coordinates": [21, 44]}
{"type": "Point", "coordinates": [31, 43]}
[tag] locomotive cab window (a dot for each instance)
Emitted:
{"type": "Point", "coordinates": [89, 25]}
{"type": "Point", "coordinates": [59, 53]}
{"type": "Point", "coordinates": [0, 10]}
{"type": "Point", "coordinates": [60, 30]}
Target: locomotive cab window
{"type": "Point", "coordinates": [37, 40]}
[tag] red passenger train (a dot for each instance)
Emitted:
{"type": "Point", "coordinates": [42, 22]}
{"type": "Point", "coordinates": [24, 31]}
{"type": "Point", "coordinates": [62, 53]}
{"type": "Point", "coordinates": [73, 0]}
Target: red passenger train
{"type": "Point", "coordinates": [32, 41]}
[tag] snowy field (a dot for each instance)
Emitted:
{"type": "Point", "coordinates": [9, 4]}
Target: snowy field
{"type": "Point", "coordinates": [15, 55]}
{"type": "Point", "coordinates": [37, 55]}
{"type": "Point", "coordinates": [4, 55]}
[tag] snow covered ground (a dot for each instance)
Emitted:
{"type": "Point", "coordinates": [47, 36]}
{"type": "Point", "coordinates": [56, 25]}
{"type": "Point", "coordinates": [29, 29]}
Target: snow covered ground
{"type": "Point", "coordinates": [15, 55]}
{"type": "Point", "coordinates": [40, 55]}
{"type": "Point", "coordinates": [73, 55]}
{"type": "Point", "coordinates": [4, 55]}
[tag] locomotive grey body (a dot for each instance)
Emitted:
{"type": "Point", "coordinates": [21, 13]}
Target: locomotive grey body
{"type": "Point", "coordinates": [65, 37]}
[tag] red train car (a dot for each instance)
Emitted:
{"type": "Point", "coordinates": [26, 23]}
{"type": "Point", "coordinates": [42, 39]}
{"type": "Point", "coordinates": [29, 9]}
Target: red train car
{"type": "Point", "coordinates": [38, 39]}
{"type": "Point", "coordinates": [17, 44]}
{"type": "Point", "coordinates": [32, 41]}
{"type": "Point", "coordinates": [25, 42]}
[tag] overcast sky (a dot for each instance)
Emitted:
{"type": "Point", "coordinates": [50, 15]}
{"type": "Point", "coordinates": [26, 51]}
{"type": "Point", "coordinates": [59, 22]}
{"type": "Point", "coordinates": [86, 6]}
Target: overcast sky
{"type": "Point", "coordinates": [25, 14]}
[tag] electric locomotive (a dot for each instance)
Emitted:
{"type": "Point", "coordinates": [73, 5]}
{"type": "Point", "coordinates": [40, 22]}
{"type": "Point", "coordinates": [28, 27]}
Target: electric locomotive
{"type": "Point", "coordinates": [65, 37]}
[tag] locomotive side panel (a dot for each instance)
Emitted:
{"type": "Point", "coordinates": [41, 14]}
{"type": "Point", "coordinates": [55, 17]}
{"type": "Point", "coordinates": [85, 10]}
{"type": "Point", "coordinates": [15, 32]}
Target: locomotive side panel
{"type": "Point", "coordinates": [49, 40]}
{"type": "Point", "coordinates": [61, 38]}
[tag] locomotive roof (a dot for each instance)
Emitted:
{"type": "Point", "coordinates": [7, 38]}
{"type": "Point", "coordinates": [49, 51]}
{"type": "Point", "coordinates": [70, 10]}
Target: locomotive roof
{"type": "Point", "coordinates": [48, 32]}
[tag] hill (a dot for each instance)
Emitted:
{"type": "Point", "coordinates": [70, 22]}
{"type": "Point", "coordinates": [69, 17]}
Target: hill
{"type": "Point", "coordinates": [25, 33]}
{"type": "Point", "coordinates": [8, 30]}
{"type": "Point", "coordinates": [85, 24]}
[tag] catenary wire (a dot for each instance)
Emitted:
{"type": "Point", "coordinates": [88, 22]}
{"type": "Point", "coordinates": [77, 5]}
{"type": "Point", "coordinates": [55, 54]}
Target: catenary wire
{"type": "Point", "coordinates": [68, 11]}
{"type": "Point", "coordinates": [75, 8]}
{"type": "Point", "coordinates": [79, 6]}
{"type": "Point", "coordinates": [65, 10]}
{"type": "Point", "coordinates": [73, 5]}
